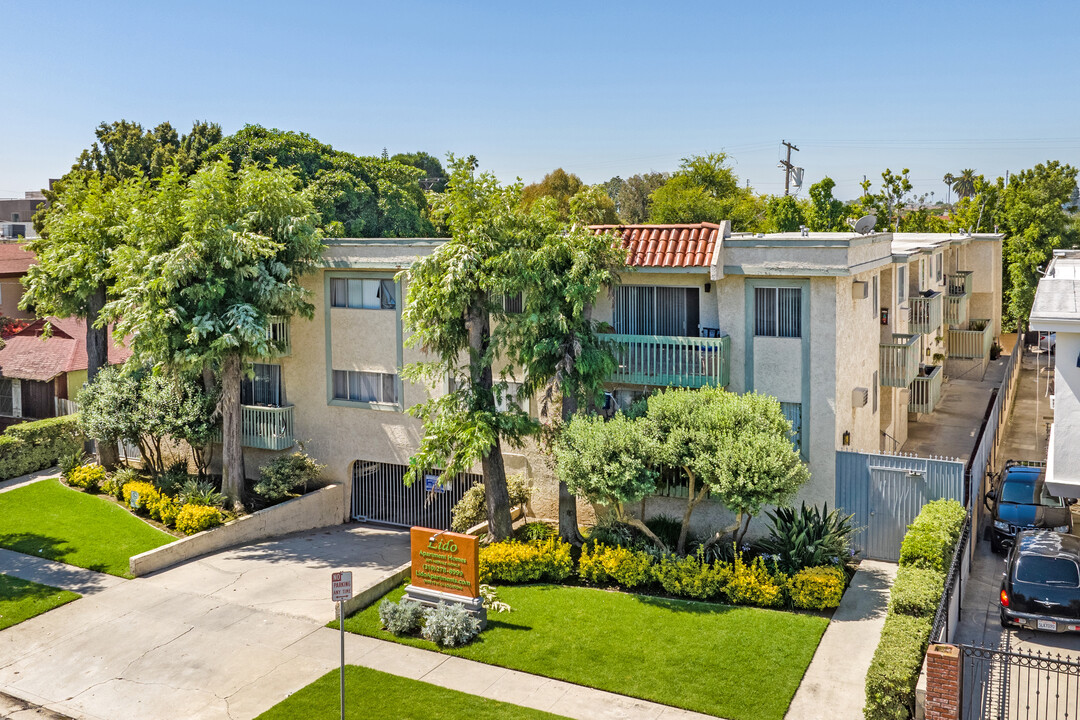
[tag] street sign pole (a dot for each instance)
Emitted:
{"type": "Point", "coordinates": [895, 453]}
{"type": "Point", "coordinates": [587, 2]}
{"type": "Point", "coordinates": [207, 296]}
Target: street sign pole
{"type": "Point", "coordinates": [340, 591]}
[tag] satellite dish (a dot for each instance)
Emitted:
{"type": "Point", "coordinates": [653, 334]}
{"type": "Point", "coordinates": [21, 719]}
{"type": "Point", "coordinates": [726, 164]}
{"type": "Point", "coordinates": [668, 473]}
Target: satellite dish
{"type": "Point", "coordinates": [865, 224]}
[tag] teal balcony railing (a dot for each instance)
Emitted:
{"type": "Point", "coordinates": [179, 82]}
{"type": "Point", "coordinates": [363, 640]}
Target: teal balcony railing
{"type": "Point", "coordinates": [956, 309]}
{"type": "Point", "coordinates": [899, 361]}
{"type": "Point", "coordinates": [269, 428]}
{"type": "Point", "coordinates": [662, 360]}
{"type": "Point", "coordinates": [926, 314]}
{"type": "Point", "coordinates": [960, 282]}
{"type": "Point", "coordinates": [925, 390]}
{"type": "Point", "coordinates": [973, 343]}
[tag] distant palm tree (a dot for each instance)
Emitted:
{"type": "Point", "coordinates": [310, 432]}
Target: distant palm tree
{"type": "Point", "coordinates": [965, 184]}
{"type": "Point", "coordinates": [948, 180]}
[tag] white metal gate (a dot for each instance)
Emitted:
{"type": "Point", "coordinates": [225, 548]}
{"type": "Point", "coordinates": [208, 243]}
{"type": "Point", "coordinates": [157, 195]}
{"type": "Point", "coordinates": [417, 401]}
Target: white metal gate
{"type": "Point", "coordinates": [379, 494]}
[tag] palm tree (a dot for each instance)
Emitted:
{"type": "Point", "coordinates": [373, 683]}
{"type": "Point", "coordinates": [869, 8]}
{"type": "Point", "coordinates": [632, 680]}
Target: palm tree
{"type": "Point", "coordinates": [948, 180]}
{"type": "Point", "coordinates": [965, 184]}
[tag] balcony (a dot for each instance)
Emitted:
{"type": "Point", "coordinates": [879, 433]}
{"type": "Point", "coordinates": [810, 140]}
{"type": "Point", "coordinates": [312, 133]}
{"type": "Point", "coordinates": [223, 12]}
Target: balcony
{"type": "Point", "coordinates": [926, 313]}
{"type": "Point", "coordinates": [268, 428]}
{"type": "Point", "coordinates": [973, 343]}
{"type": "Point", "coordinates": [279, 332]}
{"type": "Point", "coordinates": [663, 361]}
{"type": "Point", "coordinates": [956, 309]}
{"type": "Point", "coordinates": [925, 390]}
{"type": "Point", "coordinates": [899, 363]}
{"type": "Point", "coordinates": [960, 283]}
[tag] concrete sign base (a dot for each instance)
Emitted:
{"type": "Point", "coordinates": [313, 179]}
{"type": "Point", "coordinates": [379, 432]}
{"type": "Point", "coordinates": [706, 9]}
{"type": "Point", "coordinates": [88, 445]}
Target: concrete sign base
{"type": "Point", "coordinates": [431, 598]}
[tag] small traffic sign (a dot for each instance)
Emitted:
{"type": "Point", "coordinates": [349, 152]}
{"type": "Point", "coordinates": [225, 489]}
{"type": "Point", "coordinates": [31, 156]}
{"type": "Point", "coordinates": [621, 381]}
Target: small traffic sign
{"type": "Point", "coordinates": [341, 586]}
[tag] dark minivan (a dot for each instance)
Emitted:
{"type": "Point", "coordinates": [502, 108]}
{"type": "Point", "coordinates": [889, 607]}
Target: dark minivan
{"type": "Point", "coordinates": [1041, 588]}
{"type": "Point", "coordinates": [1020, 501]}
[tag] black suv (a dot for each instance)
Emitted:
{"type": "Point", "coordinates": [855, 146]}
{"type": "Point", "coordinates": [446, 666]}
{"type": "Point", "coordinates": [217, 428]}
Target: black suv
{"type": "Point", "coordinates": [1041, 588]}
{"type": "Point", "coordinates": [1020, 501]}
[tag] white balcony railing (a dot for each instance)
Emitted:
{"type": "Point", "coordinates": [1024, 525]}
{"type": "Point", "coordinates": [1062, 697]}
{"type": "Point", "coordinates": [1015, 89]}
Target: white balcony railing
{"type": "Point", "coordinates": [926, 314]}
{"type": "Point", "coordinates": [973, 343]}
{"type": "Point", "coordinates": [925, 390]}
{"type": "Point", "coordinates": [899, 361]}
{"type": "Point", "coordinates": [662, 360]}
{"type": "Point", "coordinates": [269, 428]}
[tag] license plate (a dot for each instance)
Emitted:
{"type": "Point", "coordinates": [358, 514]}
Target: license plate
{"type": "Point", "coordinates": [1047, 625]}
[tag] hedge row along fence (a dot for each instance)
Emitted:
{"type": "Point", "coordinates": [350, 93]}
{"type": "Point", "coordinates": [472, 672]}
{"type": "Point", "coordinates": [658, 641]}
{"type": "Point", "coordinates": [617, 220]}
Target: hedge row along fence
{"type": "Point", "coordinates": [925, 556]}
{"type": "Point", "coordinates": [31, 446]}
{"type": "Point", "coordinates": [738, 583]}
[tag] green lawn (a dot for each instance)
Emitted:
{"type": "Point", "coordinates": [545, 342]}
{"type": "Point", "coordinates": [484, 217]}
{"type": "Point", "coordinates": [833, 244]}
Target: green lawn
{"type": "Point", "coordinates": [374, 695]}
{"type": "Point", "coordinates": [736, 662]}
{"type": "Point", "coordinates": [21, 599]}
{"type": "Point", "coordinates": [49, 520]}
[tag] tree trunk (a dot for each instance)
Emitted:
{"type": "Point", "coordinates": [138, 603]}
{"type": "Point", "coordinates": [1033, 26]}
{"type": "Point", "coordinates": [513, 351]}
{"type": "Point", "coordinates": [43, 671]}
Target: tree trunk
{"type": "Point", "coordinates": [568, 522]}
{"type": "Point", "coordinates": [628, 519]}
{"type": "Point", "coordinates": [496, 494]}
{"type": "Point", "coordinates": [232, 450]}
{"type": "Point", "coordinates": [97, 357]}
{"type": "Point", "coordinates": [692, 501]}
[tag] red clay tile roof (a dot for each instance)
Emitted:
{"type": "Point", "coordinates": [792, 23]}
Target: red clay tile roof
{"type": "Point", "coordinates": [688, 245]}
{"type": "Point", "coordinates": [28, 357]}
{"type": "Point", "coordinates": [15, 259]}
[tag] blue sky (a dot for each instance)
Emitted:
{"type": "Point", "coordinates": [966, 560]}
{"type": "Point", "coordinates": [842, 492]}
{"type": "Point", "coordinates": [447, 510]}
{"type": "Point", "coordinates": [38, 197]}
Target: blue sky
{"type": "Point", "coordinates": [600, 89]}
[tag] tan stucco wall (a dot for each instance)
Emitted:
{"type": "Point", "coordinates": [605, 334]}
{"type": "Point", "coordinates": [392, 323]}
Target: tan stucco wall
{"type": "Point", "coordinates": [857, 341]}
{"type": "Point", "coordinates": [11, 291]}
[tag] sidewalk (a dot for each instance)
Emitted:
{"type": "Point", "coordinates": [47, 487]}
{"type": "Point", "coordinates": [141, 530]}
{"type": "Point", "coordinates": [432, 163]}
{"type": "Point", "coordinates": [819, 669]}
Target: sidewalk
{"type": "Point", "coordinates": [834, 686]}
{"type": "Point", "coordinates": [140, 650]}
{"type": "Point", "coordinates": [18, 482]}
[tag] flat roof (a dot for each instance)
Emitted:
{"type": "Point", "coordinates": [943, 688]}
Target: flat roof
{"type": "Point", "coordinates": [1057, 299]}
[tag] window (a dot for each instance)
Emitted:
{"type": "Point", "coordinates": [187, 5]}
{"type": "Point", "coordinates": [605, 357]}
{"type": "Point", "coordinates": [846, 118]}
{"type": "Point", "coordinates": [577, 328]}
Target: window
{"type": "Point", "coordinates": [778, 312]}
{"type": "Point", "coordinates": [1041, 570]}
{"type": "Point", "coordinates": [14, 217]}
{"type": "Point", "coordinates": [371, 387]}
{"type": "Point", "coordinates": [263, 387]}
{"type": "Point", "coordinates": [875, 390]}
{"type": "Point", "coordinates": [793, 414]}
{"type": "Point", "coordinates": [513, 304]}
{"type": "Point", "coordinates": [363, 293]}
{"type": "Point", "coordinates": [7, 405]}
{"type": "Point", "coordinates": [901, 284]}
{"type": "Point", "coordinates": [655, 310]}
{"type": "Point", "coordinates": [512, 396]}
{"type": "Point", "coordinates": [874, 306]}
{"type": "Point", "coordinates": [938, 272]}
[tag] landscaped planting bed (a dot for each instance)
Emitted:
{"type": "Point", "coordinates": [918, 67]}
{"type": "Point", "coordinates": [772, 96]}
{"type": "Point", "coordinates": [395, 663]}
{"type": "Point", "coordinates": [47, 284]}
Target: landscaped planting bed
{"type": "Point", "coordinates": [374, 695]}
{"type": "Point", "coordinates": [706, 657]}
{"type": "Point", "coordinates": [21, 599]}
{"type": "Point", "coordinates": [47, 520]}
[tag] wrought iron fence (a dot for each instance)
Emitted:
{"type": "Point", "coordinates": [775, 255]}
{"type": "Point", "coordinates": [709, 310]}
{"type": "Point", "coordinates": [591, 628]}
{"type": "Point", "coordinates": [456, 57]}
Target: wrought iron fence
{"type": "Point", "coordinates": [947, 616]}
{"type": "Point", "coordinates": [1008, 685]}
{"type": "Point", "coordinates": [379, 494]}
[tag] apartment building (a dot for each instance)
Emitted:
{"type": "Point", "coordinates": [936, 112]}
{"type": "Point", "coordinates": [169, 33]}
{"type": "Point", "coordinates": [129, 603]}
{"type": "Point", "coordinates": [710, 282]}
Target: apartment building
{"type": "Point", "coordinates": [851, 333]}
{"type": "Point", "coordinates": [1057, 310]}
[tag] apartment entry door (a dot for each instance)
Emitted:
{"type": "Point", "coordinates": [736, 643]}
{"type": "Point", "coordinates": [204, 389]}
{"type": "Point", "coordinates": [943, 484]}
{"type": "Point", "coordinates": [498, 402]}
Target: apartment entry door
{"type": "Point", "coordinates": [896, 497]}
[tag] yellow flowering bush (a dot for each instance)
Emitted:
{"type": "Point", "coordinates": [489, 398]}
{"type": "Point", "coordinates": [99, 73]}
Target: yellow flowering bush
{"type": "Point", "coordinates": [518, 562]}
{"type": "Point", "coordinates": [196, 518]}
{"type": "Point", "coordinates": [817, 588]}
{"type": "Point", "coordinates": [600, 564]}
{"type": "Point", "coordinates": [753, 584]}
{"type": "Point", "coordinates": [88, 477]}
{"type": "Point", "coordinates": [147, 495]}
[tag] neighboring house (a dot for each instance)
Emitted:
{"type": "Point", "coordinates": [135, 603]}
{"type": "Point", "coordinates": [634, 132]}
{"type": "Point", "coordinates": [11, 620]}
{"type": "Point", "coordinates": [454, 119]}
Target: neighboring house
{"type": "Point", "coordinates": [1057, 310]}
{"type": "Point", "coordinates": [17, 215]}
{"type": "Point", "coordinates": [40, 375]}
{"type": "Point", "coordinates": [15, 260]}
{"type": "Point", "coordinates": [849, 332]}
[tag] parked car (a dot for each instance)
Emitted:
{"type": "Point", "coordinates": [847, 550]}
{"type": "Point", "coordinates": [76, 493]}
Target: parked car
{"type": "Point", "coordinates": [1041, 587]}
{"type": "Point", "coordinates": [1020, 501]}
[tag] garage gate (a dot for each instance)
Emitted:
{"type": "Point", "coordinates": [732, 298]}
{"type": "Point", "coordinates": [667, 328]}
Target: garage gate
{"type": "Point", "coordinates": [379, 494]}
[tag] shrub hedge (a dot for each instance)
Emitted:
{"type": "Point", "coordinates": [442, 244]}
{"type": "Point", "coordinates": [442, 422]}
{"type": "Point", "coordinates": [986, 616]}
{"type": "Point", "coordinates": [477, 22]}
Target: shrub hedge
{"type": "Point", "coordinates": [925, 556]}
{"type": "Point", "coordinates": [31, 446]}
{"type": "Point", "coordinates": [88, 477]}
{"type": "Point", "coordinates": [196, 518]}
{"type": "Point", "coordinates": [817, 588]}
{"type": "Point", "coordinates": [894, 671]}
{"type": "Point", "coordinates": [517, 562]}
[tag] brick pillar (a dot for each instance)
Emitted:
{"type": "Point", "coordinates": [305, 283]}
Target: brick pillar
{"type": "Point", "coordinates": [943, 682]}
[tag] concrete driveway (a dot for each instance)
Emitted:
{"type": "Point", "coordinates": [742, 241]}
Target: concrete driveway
{"type": "Point", "coordinates": [224, 637]}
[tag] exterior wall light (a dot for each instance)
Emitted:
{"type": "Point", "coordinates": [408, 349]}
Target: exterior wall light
{"type": "Point", "coordinates": [847, 437]}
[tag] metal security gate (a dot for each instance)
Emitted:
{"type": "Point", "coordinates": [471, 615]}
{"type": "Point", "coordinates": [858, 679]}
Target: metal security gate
{"type": "Point", "coordinates": [1007, 685]}
{"type": "Point", "coordinates": [379, 494]}
{"type": "Point", "coordinates": [886, 492]}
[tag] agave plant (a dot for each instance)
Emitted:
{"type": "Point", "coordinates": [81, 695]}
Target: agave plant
{"type": "Point", "coordinates": [194, 492]}
{"type": "Point", "coordinates": [808, 537]}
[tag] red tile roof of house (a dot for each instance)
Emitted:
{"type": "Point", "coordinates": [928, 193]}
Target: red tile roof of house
{"type": "Point", "coordinates": [687, 245]}
{"type": "Point", "coordinates": [27, 356]}
{"type": "Point", "coordinates": [15, 259]}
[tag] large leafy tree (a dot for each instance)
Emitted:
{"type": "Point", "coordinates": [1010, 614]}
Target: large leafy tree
{"type": "Point", "coordinates": [354, 196]}
{"type": "Point", "coordinates": [964, 184]}
{"type": "Point", "coordinates": [554, 338]}
{"type": "Point", "coordinates": [785, 213]}
{"type": "Point", "coordinates": [633, 201]}
{"type": "Point", "coordinates": [560, 188]}
{"type": "Point", "coordinates": [826, 212]}
{"type": "Point", "coordinates": [213, 259]}
{"type": "Point", "coordinates": [434, 178]}
{"type": "Point", "coordinates": [453, 299]}
{"type": "Point", "coordinates": [706, 189]}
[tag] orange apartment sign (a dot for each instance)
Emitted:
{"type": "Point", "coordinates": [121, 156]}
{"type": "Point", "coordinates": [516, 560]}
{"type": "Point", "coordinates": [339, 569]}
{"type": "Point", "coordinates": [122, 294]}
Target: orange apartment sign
{"type": "Point", "coordinates": [445, 561]}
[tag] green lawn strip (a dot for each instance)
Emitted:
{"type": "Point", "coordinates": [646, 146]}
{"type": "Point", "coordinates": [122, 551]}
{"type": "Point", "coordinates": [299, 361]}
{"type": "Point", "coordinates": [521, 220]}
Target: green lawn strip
{"type": "Point", "coordinates": [374, 695]}
{"type": "Point", "coordinates": [736, 662]}
{"type": "Point", "coordinates": [21, 599]}
{"type": "Point", "coordinates": [49, 520]}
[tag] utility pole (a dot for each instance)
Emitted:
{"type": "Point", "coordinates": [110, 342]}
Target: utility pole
{"type": "Point", "coordinates": [787, 166]}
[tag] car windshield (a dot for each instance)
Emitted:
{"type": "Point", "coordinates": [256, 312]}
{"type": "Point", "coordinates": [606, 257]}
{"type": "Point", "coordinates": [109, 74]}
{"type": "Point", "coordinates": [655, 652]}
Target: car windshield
{"type": "Point", "coordinates": [1042, 570]}
{"type": "Point", "coordinates": [1025, 493]}
{"type": "Point", "coordinates": [1048, 500]}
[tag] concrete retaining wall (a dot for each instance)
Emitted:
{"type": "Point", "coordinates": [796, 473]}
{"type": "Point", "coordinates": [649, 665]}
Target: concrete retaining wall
{"type": "Point", "coordinates": [373, 592]}
{"type": "Point", "coordinates": [313, 510]}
